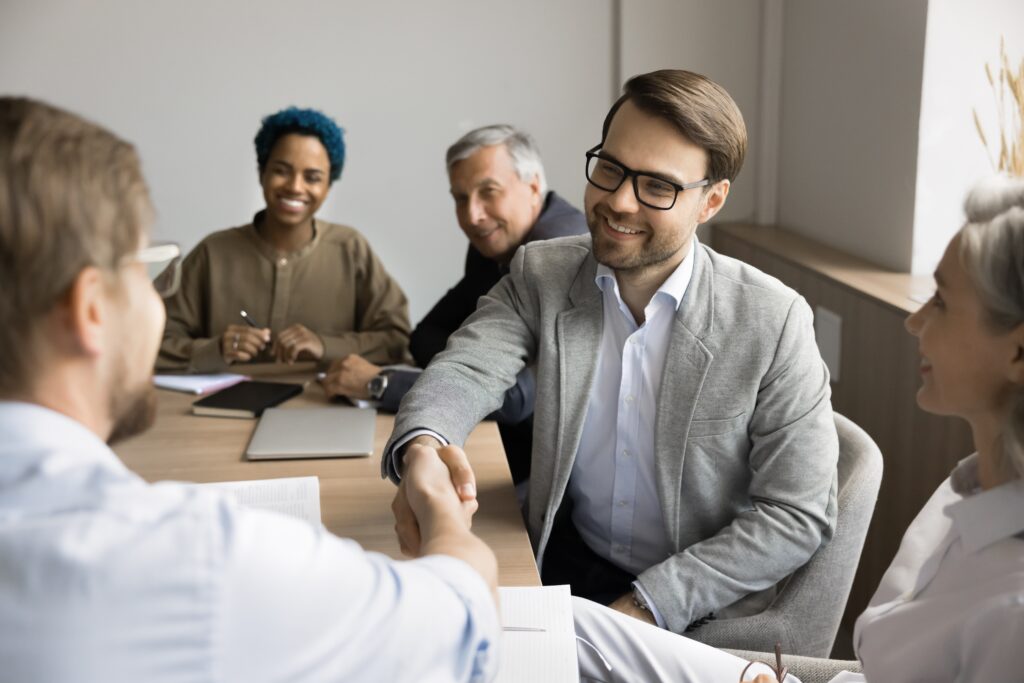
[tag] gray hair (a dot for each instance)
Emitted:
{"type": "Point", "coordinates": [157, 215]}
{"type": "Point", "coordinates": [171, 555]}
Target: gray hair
{"type": "Point", "coordinates": [520, 145]}
{"type": "Point", "coordinates": [992, 253]}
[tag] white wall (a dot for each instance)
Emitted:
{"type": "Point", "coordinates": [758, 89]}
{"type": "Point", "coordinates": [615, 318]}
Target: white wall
{"type": "Point", "coordinates": [188, 82]}
{"type": "Point", "coordinates": [962, 37]}
{"type": "Point", "coordinates": [851, 93]}
{"type": "Point", "coordinates": [718, 39]}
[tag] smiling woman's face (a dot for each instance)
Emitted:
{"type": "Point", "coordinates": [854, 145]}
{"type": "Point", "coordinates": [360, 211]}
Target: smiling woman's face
{"type": "Point", "coordinates": [296, 179]}
{"type": "Point", "coordinates": [966, 363]}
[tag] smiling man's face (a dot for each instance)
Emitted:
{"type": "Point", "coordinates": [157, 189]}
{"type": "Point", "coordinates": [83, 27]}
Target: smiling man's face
{"type": "Point", "coordinates": [494, 206]}
{"type": "Point", "coordinates": [629, 236]}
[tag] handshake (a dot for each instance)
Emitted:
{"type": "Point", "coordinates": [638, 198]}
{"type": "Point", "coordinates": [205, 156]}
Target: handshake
{"type": "Point", "coordinates": [435, 504]}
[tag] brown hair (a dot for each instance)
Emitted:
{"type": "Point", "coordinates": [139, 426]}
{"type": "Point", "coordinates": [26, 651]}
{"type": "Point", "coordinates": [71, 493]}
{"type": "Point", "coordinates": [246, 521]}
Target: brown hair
{"type": "Point", "coordinates": [72, 195]}
{"type": "Point", "coordinates": [699, 108]}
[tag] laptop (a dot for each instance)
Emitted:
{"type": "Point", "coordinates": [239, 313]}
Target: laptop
{"type": "Point", "coordinates": [293, 433]}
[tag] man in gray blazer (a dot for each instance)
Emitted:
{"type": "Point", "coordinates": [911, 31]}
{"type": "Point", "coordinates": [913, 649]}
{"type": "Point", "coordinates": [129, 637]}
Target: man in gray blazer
{"type": "Point", "coordinates": [684, 457]}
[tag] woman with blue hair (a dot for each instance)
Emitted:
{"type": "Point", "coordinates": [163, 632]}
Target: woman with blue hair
{"type": "Point", "coordinates": [310, 290]}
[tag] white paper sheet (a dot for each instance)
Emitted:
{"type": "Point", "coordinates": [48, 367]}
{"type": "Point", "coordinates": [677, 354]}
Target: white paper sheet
{"type": "Point", "coordinates": [537, 656]}
{"type": "Point", "coordinates": [297, 497]}
{"type": "Point", "coordinates": [198, 384]}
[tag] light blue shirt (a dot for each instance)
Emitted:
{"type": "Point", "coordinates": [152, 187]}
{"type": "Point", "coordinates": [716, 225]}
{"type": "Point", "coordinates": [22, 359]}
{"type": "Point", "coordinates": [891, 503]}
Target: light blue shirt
{"type": "Point", "coordinates": [104, 577]}
{"type": "Point", "coordinates": [616, 507]}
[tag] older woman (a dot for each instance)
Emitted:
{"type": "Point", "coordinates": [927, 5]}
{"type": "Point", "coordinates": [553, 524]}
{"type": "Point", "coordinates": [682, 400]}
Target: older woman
{"type": "Point", "coordinates": [310, 289]}
{"type": "Point", "coordinates": [951, 605]}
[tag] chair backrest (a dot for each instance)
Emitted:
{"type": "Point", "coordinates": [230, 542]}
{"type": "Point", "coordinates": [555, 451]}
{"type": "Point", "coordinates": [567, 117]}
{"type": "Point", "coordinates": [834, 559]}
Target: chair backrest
{"type": "Point", "coordinates": [805, 615]}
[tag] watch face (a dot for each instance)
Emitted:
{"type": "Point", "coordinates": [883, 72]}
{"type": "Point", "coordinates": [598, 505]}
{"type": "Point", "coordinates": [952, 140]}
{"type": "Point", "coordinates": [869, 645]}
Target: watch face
{"type": "Point", "coordinates": [376, 387]}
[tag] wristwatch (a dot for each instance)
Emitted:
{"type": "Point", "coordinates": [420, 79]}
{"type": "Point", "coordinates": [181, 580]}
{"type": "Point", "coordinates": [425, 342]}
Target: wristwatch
{"type": "Point", "coordinates": [377, 386]}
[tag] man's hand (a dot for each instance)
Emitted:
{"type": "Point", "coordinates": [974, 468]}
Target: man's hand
{"type": "Point", "coordinates": [441, 520]}
{"type": "Point", "coordinates": [349, 377]}
{"type": "Point", "coordinates": [460, 478]}
{"type": "Point", "coordinates": [241, 343]}
{"type": "Point", "coordinates": [296, 342]}
{"type": "Point", "coordinates": [626, 605]}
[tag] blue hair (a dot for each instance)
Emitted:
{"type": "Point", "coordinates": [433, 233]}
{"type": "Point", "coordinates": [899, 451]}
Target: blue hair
{"type": "Point", "coordinates": [305, 122]}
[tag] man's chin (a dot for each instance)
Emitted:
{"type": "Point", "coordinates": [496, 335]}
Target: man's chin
{"type": "Point", "coordinates": [133, 414]}
{"type": "Point", "coordinates": [613, 255]}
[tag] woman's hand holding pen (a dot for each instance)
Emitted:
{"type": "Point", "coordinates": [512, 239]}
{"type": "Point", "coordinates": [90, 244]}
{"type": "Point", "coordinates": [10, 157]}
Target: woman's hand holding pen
{"type": "Point", "coordinates": [242, 343]}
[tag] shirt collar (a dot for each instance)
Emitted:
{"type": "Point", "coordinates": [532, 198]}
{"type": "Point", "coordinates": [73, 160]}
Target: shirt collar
{"type": "Point", "coordinates": [267, 249]}
{"type": "Point", "coordinates": [33, 434]}
{"type": "Point", "coordinates": [674, 287]}
{"type": "Point", "coordinates": [983, 517]}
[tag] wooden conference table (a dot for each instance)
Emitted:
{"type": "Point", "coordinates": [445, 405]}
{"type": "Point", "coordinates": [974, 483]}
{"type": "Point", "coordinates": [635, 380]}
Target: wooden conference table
{"type": "Point", "coordinates": [355, 502]}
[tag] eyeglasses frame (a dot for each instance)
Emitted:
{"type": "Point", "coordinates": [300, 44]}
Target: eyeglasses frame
{"type": "Point", "coordinates": [627, 172]}
{"type": "Point", "coordinates": [163, 251]}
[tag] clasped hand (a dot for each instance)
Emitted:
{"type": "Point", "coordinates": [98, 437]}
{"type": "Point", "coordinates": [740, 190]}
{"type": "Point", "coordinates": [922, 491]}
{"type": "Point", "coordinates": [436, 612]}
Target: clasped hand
{"type": "Point", "coordinates": [437, 480]}
{"type": "Point", "coordinates": [241, 344]}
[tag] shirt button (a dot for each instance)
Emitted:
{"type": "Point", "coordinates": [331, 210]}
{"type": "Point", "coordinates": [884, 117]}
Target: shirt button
{"type": "Point", "coordinates": [627, 453]}
{"type": "Point", "coordinates": [629, 399]}
{"type": "Point", "coordinates": [619, 548]}
{"type": "Point", "coordinates": [282, 262]}
{"type": "Point", "coordinates": [623, 503]}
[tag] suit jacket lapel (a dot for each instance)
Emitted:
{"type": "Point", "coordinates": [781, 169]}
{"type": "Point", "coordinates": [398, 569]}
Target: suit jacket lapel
{"type": "Point", "coordinates": [686, 365]}
{"type": "Point", "coordinates": [579, 331]}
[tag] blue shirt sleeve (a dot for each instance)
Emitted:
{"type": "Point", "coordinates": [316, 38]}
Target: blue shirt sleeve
{"type": "Point", "coordinates": [298, 603]}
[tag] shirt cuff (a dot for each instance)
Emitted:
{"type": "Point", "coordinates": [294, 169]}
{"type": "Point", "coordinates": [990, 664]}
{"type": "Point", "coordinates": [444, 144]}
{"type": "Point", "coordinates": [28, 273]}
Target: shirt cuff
{"type": "Point", "coordinates": [392, 459]}
{"type": "Point", "coordinates": [650, 604]}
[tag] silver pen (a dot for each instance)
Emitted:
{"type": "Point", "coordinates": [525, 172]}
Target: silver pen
{"type": "Point", "coordinates": [248, 320]}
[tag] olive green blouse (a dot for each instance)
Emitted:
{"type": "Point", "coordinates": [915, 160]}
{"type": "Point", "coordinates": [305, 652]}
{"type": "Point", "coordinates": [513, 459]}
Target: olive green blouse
{"type": "Point", "coordinates": [334, 285]}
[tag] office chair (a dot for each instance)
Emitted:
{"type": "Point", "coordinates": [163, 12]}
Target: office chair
{"type": "Point", "coordinates": [805, 615]}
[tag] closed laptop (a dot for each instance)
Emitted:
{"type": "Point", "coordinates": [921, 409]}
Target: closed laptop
{"type": "Point", "coordinates": [332, 432]}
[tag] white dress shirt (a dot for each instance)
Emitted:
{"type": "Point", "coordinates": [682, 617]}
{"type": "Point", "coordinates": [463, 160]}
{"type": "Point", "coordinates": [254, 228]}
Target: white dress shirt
{"type": "Point", "coordinates": [104, 577]}
{"type": "Point", "coordinates": [613, 487]}
{"type": "Point", "coordinates": [951, 605]}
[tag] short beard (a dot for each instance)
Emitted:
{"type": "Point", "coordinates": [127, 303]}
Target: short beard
{"type": "Point", "coordinates": [133, 412]}
{"type": "Point", "coordinates": [606, 253]}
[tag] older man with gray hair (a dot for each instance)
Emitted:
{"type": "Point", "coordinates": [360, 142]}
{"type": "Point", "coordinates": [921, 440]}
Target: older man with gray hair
{"type": "Point", "coordinates": [501, 202]}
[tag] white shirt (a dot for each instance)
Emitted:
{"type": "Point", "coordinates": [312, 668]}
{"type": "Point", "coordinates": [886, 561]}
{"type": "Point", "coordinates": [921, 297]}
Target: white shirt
{"type": "Point", "coordinates": [104, 577]}
{"type": "Point", "coordinates": [613, 485]}
{"type": "Point", "coordinates": [951, 605]}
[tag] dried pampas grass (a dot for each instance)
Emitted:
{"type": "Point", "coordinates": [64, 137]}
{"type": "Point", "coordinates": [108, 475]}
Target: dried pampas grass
{"type": "Point", "coordinates": [1010, 111]}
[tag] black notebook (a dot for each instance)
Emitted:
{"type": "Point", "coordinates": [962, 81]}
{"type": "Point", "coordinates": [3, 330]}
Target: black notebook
{"type": "Point", "coordinates": [245, 399]}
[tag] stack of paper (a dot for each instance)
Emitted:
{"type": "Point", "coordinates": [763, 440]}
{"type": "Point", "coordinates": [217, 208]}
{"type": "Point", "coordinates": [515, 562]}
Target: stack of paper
{"type": "Point", "coordinates": [197, 384]}
{"type": "Point", "coordinates": [297, 497]}
{"type": "Point", "coordinates": [539, 641]}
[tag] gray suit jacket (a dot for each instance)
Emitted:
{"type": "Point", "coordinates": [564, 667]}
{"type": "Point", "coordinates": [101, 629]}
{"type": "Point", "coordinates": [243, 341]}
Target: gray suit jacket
{"type": "Point", "coordinates": [745, 444]}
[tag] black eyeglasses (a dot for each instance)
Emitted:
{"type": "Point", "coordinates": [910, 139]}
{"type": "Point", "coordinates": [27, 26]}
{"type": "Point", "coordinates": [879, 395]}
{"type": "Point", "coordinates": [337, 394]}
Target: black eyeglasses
{"type": "Point", "coordinates": [650, 190]}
